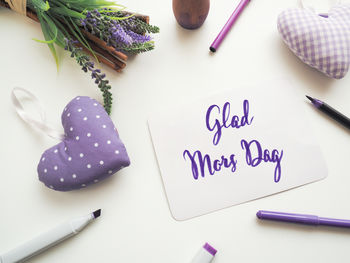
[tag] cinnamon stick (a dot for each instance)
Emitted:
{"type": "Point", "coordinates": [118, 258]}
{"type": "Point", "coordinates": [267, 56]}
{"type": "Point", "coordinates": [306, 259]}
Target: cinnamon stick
{"type": "Point", "coordinates": [32, 16]}
{"type": "Point", "coordinates": [107, 55]}
{"type": "Point", "coordinates": [103, 60]}
{"type": "Point", "coordinates": [104, 45]}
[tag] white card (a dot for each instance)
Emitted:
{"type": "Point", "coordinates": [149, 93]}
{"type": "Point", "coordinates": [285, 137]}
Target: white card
{"type": "Point", "coordinates": [236, 146]}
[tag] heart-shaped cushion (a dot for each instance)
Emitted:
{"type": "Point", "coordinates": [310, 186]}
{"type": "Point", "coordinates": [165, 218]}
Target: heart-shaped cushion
{"type": "Point", "coordinates": [90, 151]}
{"type": "Point", "coordinates": [321, 41]}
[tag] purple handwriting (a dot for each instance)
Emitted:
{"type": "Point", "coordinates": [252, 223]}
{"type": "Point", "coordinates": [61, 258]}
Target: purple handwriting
{"type": "Point", "coordinates": [201, 164]}
{"type": "Point", "coordinates": [255, 155]}
{"type": "Point", "coordinates": [227, 122]}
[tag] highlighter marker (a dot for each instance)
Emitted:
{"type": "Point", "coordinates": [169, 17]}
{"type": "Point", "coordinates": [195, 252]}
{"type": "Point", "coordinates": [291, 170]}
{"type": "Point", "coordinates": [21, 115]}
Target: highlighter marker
{"type": "Point", "coordinates": [48, 239]}
{"type": "Point", "coordinates": [205, 254]}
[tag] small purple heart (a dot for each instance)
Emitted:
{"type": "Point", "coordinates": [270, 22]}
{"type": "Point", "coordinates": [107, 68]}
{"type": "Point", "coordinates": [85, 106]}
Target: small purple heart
{"type": "Point", "coordinates": [321, 41]}
{"type": "Point", "coordinates": [90, 152]}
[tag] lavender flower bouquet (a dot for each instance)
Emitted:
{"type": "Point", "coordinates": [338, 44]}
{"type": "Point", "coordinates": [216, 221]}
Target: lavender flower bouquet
{"type": "Point", "coordinates": [91, 28]}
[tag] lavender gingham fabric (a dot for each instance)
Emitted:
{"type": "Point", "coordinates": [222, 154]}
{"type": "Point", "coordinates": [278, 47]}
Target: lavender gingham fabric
{"type": "Point", "coordinates": [321, 42]}
{"type": "Point", "coordinates": [90, 151]}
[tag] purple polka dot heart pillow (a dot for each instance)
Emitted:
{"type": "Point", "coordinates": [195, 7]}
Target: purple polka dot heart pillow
{"type": "Point", "coordinates": [321, 41]}
{"type": "Point", "coordinates": [90, 151]}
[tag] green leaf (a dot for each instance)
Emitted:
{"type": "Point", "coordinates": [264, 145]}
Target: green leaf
{"type": "Point", "coordinates": [45, 26]}
{"type": "Point", "coordinates": [121, 18]}
{"type": "Point", "coordinates": [52, 29]}
{"type": "Point", "coordinates": [80, 5]}
{"type": "Point", "coordinates": [39, 5]}
{"type": "Point", "coordinates": [44, 41]}
{"type": "Point", "coordinates": [78, 35]}
{"type": "Point", "coordinates": [66, 12]}
{"type": "Point", "coordinates": [136, 48]}
{"type": "Point", "coordinates": [62, 33]}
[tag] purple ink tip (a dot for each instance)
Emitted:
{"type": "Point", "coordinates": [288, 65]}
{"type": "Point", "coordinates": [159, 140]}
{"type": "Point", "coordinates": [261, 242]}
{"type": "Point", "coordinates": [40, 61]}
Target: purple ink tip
{"type": "Point", "coordinates": [210, 249]}
{"type": "Point", "coordinates": [315, 102]}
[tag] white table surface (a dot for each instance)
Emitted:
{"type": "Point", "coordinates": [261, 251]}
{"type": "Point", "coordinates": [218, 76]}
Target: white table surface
{"type": "Point", "coordinates": [136, 225]}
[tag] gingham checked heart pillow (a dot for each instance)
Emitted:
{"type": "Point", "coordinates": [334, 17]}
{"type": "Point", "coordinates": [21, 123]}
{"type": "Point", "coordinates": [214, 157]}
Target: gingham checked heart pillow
{"type": "Point", "coordinates": [321, 41]}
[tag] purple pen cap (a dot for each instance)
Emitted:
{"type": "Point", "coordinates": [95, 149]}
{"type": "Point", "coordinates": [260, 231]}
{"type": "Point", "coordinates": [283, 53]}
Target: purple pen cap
{"type": "Point", "coordinates": [210, 249]}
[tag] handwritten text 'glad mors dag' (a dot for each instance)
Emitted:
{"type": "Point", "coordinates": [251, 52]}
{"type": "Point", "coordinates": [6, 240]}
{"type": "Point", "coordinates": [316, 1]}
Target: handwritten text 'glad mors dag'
{"type": "Point", "coordinates": [217, 120]}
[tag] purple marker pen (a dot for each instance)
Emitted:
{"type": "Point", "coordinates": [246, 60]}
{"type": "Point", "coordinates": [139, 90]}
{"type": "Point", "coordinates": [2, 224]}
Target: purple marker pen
{"type": "Point", "coordinates": [331, 112]}
{"type": "Point", "coordinates": [205, 254]}
{"type": "Point", "coordinates": [302, 219]}
{"type": "Point", "coordinates": [215, 45]}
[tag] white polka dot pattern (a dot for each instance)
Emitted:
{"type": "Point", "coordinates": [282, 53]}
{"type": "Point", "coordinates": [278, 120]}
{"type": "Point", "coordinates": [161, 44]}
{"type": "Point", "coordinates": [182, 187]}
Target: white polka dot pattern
{"type": "Point", "coordinates": [85, 156]}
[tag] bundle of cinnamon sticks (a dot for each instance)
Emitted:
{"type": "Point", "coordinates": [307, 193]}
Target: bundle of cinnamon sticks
{"type": "Point", "coordinates": [105, 54]}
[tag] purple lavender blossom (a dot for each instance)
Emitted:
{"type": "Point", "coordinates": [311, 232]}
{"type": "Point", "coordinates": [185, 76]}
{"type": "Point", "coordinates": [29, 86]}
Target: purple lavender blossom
{"type": "Point", "coordinates": [86, 65]}
{"type": "Point", "coordinates": [115, 33]}
{"type": "Point", "coordinates": [138, 38]}
{"type": "Point", "coordinates": [127, 34]}
{"type": "Point", "coordinates": [118, 34]}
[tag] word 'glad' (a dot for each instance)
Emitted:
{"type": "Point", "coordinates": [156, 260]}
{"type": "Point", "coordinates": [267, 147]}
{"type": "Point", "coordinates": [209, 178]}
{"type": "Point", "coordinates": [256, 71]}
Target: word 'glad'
{"type": "Point", "coordinates": [217, 123]}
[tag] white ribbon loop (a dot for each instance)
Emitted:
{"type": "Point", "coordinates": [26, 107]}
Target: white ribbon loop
{"type": "Point", "coordinates": [40, 125]}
